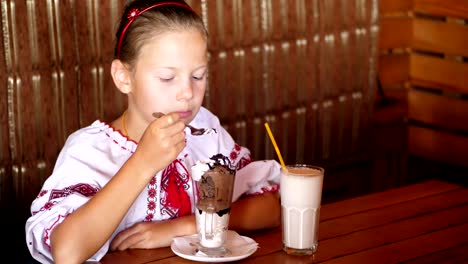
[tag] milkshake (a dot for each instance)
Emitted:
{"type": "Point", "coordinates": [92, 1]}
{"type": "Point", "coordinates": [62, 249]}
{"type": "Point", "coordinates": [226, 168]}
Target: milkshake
{"type": "Point", "coordinates": [301, 193]}
{"type": "Point", "coordinates": [215, 183]}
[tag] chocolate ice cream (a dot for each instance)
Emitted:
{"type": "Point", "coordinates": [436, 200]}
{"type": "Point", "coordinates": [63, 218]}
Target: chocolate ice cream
{"type": "Point", "coordinates": [215, 186]}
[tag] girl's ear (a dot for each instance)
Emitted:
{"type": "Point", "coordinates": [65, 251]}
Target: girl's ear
{"type": "Point", "coordinates": [121, 76]}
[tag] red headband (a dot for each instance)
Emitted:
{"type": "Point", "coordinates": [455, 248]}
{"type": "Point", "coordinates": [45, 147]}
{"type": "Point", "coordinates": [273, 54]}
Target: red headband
{"type": "Point", "coordinates": [135, 13]}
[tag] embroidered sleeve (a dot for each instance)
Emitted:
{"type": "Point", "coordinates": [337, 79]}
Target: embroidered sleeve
{"type": "Point", "coordinates": [257, 177]}
{"type": "Point", "coordinates": [48, 210]}
{"type": "Point", "coordinates": [252, 177]}
{"type": "Point", "coordinates": [81, 170]}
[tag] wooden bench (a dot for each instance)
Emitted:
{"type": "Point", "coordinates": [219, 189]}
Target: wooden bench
{"type": "Point", "coordinates": [423, 55]}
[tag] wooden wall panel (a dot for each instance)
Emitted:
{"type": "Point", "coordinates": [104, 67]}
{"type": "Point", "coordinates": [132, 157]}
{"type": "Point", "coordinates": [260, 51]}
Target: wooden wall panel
{"type": "Point", "coordinates": [422, 48]}
{"type": "Point", "coordinates": [440, 37]}
{"type": "Point", "coordinates": [395, 6]}
{"type": "Point", "coordinates": [438, 110]}
{"type": "Point", "coordinates": [451, 8]}
{"type": "Point", "coordinates": [282, 90]}
{"type": "Point", "coordinates": [437, 145]}
{"type": "Point", "coordinates": [95, 23]}
{"type": "Point", "coordinates": [7, 193]}
{"type": "Point", "coordinates": [395, 32]}
{"type": "Point", "coordinates": [394, 69]}
{"type": "Point", "coordinates": [439, 73]}
{"type": "Point", "coordinates": [41, 91]}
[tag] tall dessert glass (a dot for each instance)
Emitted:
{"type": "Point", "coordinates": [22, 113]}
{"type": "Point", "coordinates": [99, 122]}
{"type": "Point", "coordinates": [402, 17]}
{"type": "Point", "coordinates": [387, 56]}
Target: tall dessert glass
{"type": "Point", "coordinates": [215, 183]}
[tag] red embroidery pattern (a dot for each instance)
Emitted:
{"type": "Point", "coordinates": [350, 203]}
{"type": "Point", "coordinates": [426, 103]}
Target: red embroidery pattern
{"type": "Point", "coordinates": [152, 199]}
{"type": "Point", "coordinates": [237, 147]}
{"type": "Point", "coordinates": [42, 193]}
{"type": "Point", "coordinates": [174, 197]}
{"type": "Point", "coordinates": [149, 217]}
{"type": "Point", "coordinates": [274, 188]}
{"type": "Point", "coordinates": [46, 206]}
{"type": "Point", "coordinates": [117, 143]}
{"type": "Point", "coordinates": [81, 188]}
{"type": "Point", "coordinates": [234, 153]}
{"type": "Point", "coordinates": [45, 239]}
{"type": "Point", "coordinates": [244, 161]}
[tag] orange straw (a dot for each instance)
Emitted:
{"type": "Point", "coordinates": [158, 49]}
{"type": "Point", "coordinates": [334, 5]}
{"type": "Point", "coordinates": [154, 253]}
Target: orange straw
{"type": "Point", "coordinates": [276, 147]}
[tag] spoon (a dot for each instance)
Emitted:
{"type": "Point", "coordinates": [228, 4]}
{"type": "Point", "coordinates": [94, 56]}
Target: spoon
{"type": "Point", "coordinates": [194, 131]}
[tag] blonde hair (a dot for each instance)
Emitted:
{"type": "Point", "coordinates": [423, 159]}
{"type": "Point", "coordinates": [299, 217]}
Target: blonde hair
{"type": "Point", "coordinates": [143, 19]}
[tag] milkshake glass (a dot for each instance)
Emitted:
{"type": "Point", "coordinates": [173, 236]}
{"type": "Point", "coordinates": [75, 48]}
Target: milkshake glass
{"type": "Point", "coordinates": [215, 184]}
{"type": "Point", "coordinates": [301, 193]}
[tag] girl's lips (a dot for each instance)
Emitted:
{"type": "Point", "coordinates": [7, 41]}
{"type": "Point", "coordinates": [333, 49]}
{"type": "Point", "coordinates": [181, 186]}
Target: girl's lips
{"type": "Point", "coordinates": [185, 114]}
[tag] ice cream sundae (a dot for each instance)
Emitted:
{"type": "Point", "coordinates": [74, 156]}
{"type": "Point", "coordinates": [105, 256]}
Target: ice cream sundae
{"type": "Point", "coordinates": [215, 183]}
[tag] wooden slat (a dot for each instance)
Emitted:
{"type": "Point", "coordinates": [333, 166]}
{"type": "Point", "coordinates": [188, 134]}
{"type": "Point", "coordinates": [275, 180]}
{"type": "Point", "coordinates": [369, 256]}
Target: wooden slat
{"type": "Point", "coordinates": [394, 69]}
{"type": "Point", "coordinates": [442, 37]}
{"type": "Point", "coordinates": [385, 215]}
{"type": "Point", "coordinates": [382, 199]}
{"type": "Point", "coordinates": [452, 8]}
{"type": "Point", "coordinates": [438, 145]}
{"type": "Point", "coordinates": [394, 6]}
{"type": "Point", "coordinates": [452, 255]}
{"type": "Point", "coordinates": [395, 32]}
{"type": "Point", "coordinates": [410, 248]}
{"type": "Point", "coordinates": [136, 256]}
{"type": "Point", "coordinates": [375, 237]}
{"type": "Point", "coordinates": [372, 238]}
{"type": "Point", "coordinates": [439, 73]}
{"type": "Point", "coordinates": [438, 110]}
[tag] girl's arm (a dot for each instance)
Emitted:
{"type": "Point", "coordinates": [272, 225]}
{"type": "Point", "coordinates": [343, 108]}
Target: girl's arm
{"type": "Point", "coordinates": [256, 212]}
{"type": "Point", "coordinates": [85, 230]}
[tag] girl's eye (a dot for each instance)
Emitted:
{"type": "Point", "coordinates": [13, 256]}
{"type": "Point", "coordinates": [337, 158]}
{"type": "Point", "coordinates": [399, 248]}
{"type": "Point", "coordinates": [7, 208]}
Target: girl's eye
{"type": "Point", "coordinates": [199, 78]}
{"type": "Point", "coordinates": [166, 79]}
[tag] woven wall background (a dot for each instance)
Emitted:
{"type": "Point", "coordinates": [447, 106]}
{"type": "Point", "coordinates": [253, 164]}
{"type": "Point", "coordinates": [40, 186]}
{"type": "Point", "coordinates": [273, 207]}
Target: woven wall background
{"type": "Point", "coordinates": [305, 66]}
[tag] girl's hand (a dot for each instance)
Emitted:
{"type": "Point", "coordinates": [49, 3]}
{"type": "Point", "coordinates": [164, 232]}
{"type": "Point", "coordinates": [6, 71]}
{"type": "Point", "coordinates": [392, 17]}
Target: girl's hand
{"type": "Point", "coordinates": [153, 234]}
{"type": "Point", "coordinates": [162, 141]}
{"type": "Point", "coordinates": [142, 235]}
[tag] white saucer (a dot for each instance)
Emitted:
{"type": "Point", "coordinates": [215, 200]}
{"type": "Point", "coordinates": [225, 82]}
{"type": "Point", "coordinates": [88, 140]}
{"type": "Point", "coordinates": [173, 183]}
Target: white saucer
{"type": "Point", "coordinates": [239, 246]}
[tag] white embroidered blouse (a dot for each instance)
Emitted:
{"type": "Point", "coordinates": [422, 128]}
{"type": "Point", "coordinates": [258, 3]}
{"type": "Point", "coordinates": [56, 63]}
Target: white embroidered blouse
{"type": "Point", "coordinates": [92, 155]}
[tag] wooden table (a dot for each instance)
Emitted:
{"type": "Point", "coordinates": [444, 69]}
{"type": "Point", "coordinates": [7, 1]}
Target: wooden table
{"type": "Point", "coordinates": [421, 223]}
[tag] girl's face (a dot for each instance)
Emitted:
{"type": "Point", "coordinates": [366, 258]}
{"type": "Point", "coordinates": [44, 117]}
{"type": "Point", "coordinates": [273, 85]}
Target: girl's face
{"type": "Point", "coordinates": [170, 75]}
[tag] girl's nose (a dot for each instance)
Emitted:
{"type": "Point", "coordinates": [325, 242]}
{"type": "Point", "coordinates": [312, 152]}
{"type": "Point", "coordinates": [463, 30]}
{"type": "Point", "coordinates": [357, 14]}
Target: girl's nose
{"type": "Point", "coordinates": [186, 90]}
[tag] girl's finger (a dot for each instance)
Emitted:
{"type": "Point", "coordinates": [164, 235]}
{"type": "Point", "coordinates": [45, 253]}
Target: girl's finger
{"type": "Point", "coordinates": [169, 119]}
{"type": "Point", "coordinates": [131, 241]}
{"type": "Point", "coordinates": [118, 239]}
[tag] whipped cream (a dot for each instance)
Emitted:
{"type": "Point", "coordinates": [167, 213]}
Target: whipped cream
{"type": "Point", "coordinates": [200, 168]}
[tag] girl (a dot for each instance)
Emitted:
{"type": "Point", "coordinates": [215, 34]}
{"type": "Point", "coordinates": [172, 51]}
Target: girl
{"type": "Point", "coordinates": [127, 184]}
